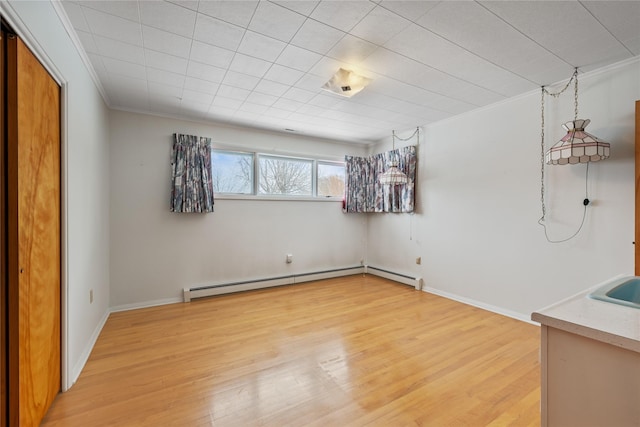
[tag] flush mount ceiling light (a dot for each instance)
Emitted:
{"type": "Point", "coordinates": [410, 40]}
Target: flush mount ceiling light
{"type": "Point", "coordinates": [577, 146]}
{"type": "Point", "coordinates": [346, 83]}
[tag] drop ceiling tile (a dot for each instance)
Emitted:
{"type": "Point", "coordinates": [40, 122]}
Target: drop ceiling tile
{"type": "Point", "coordinates": [229, 103]}
{"type": "Point", "coordinates": [271, 88]}
{"type": "Point", "coordinates": [621, 18]}
{"type": "Point", "coordinates": [205, 72]}
{"type": "Point", "coordinates": [197, 96]}
{"type": "Point", "coordinates": [436, 52]}
{"type": "Point", "coordinates": [110, 26]}
{"type": "Point", "coordinates": [135, 86]}
{"type": "Point", "coordinates": [311, 82]}
{"type": "Point", "coordinates": [275, 21]}
{"type": "Point", "coordinates": [343, 15]}
{"type": "Point", "coordinates": [164, 41]}
{"type": "Point", "coordinates": [260, 46]}
{"type": "Point", "coordinates": [287, 104]}
{"type": "Point", "coordinates": [189, 4]}
{"type": "Point", "coordinates": [240, 80]}
{"type": "Point", "coordinates": [249, 65]}
{"type": "Point", "coordinates": [317, 37]}
{"type": "Point", "coordinates": [218, 33]}
{"type": "Point", "coordinates": [277, 113]}
{"type": "Point", "coordinates": [119, 50]}
{"type": "Point", "coordinates": [311, 110]}
{"type": "Point", "coordinates": [165, 62]}
{"type": "Point", "coordinates": [123, 9]}
{"type": "Point", "coordinates": [302, 7]}
{"type": "Point", "coordinates": [165, 77]}
{"type": "Point", "coordinates": [282, 74]}
{"type": "Point", "coordinates": [76, 16]}
{"type": "Point", "coordinates": [168, 17]}
{"type": "Point", "coordinates": [129, 69]}
{"type": "Point", "coordinates": [158, 91]}
{"type": "Point", "coordinates": [379, 26]}
{"type": "Point", "coordinates": [326, 101]}
{"type": "Point", "coordinates": [211, 55]}
{"type": "Point", "coordinates": [262, 99]}
{"type": "Point", "coordinates": [299, 95]}
{"type": "Point", "coordinates": [233, 92]}
{"type": "Point", "coordinates": [88, 43]}
{"type": "Point", "coordinates": [465, 24]}
{"type": "Point", "coordinates": [409, 9]}
{"type": "Point", "coordinates": [198, 85]}
{"type": "Point", "coordinates": [580, 40]}
{"type": "Point", "coordinates": [298, 58]}
{"type": "Point", "coordinates": [352, 49]}
{"type": "Point", "coordinates": [235, 12]}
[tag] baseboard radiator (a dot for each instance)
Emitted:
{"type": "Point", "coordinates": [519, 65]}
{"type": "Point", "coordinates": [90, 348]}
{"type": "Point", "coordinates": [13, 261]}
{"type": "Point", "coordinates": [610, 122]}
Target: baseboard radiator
{"type": "Point", "coordinates": [416, 282]}
{"type": "Point", "coordinates": [249, 285]}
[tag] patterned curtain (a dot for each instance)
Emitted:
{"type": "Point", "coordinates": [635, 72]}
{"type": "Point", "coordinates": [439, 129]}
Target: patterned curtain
{"type": "Point", "coordinates": [363, 192]}
{"type": "Point", "coordinates": [191, 185]}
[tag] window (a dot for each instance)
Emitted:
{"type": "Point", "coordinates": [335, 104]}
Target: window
{"type": "Point", "coordinates": [330, 179]}
{"type": "Point", "coordinates": [285, 176]}
{"type": "Point", "coordinates": [257, 174]}
{"type": "Point", "coordinates": [232, 172]}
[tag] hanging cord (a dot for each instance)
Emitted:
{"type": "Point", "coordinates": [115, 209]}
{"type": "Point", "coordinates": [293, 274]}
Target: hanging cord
{"type": "Point", "coordinates": [541, 221]}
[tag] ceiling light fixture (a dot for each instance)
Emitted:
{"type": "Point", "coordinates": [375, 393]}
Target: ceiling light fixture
{"type": "Point", "coordinates": [393, 175]}
{"type": "Point", "coordinates": [346, 83]}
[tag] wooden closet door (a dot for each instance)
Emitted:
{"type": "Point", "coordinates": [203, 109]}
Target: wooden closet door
{"type": "Point", "coordinates": [33, 123]}
{"type": "Point", "coordinates": [3, 243]}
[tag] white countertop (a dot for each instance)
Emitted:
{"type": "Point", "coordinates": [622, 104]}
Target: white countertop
{"type": "Point", "coordinates": [610, 323]}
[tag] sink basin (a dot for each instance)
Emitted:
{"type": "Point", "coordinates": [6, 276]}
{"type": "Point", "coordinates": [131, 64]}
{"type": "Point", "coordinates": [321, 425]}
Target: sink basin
{"type": "Point", "coordinates": [623, 291]}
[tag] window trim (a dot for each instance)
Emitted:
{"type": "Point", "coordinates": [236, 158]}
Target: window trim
{"type": "Point", "coordinates": [255, 195]}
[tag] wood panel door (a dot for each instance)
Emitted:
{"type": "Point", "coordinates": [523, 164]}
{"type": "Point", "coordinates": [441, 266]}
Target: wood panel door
{"type": "Point", "coordinates": [33, 218]}
{"type": "Point", "coordinates": [3, 242]}
{"type": "Point", "coordinates": [637, 215]}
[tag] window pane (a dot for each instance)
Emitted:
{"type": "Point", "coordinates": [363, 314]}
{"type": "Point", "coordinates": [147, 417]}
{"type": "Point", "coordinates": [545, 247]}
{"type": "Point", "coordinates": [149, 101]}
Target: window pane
{"type": "Point", "coordinates": [232, 172]}
{"type": "Point", "coordinates": [330, 180]}
{"type": "Point", "coordinates": [282, 175]}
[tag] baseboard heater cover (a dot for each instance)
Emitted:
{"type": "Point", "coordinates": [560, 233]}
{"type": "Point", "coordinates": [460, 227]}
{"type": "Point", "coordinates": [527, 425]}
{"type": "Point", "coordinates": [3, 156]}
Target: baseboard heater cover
{"type": "Point", "coordinates": [248, 285]}
{"type": "Point", "coordinates": [416, 282]}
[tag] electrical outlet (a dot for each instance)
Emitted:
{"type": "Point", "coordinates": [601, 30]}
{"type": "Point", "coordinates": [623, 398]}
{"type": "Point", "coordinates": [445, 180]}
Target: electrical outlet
{"type": "Point", "coordinates": [419, 260]}
{"type": "Point", "coordinates": [90, 296]}
{"type": "Point", "coordinates": [289, 258]}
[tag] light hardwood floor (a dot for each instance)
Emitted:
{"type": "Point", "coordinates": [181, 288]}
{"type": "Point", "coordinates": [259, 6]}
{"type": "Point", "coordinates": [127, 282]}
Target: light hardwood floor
{"type": "Point", "coordinates": [353, 351]}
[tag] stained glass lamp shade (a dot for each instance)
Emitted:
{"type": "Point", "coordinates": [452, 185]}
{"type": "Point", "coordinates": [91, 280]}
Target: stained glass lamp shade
{"type": "Point", "coordinates": [577, 146]}
{"type": "Point", "coordinates": [393, 175]}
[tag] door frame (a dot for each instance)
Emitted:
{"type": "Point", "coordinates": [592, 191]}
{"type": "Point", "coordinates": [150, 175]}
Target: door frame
{"type": "Point", "coordinates": [11, 17]}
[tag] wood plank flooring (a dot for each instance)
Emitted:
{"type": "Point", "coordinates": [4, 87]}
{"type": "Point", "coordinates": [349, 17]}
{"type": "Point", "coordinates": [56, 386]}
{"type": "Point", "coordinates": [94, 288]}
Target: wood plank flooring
{"type": "Point", "coordinates": [352, 351]}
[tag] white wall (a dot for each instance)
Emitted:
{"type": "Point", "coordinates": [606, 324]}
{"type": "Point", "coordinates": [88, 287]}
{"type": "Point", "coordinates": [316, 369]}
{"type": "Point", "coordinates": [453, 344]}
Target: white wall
{"type": "Point", "coordinates": [156, 253]}
{"type": "Point", "coordinates": [479, 201]}
{"type": "Point", "coordinates": [87, 186]}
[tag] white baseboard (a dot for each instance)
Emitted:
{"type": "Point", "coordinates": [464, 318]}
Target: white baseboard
{"type": "Point", "coordinates": [478, 304]}
{"type": "Point", "coordinates": [144, 304]}
{"type": "Point", "coordinates": [79, 366]}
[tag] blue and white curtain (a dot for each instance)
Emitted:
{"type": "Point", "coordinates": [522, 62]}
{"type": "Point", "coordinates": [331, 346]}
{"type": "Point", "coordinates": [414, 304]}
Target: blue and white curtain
{"type": "Point", "coordinates": [191, 184]}
{"type": "Point", "coordinates": [363, 191]}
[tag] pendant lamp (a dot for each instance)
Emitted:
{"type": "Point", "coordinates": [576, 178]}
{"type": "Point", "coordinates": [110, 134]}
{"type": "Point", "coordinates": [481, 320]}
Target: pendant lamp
{"type": "Point", "coordinates": [393, 175]}
{"type": "Point", "coordinates": [577, 146]}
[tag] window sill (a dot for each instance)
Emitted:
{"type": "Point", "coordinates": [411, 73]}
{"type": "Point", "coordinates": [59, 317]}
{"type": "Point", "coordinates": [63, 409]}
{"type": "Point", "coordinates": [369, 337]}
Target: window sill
{"type": "Point", "coordinates": [276, 198]}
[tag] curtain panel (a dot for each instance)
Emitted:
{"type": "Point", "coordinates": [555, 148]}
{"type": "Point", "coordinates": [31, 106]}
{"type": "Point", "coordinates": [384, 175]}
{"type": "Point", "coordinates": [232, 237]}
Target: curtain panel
{"type": "Point", "coordinates": [191, 184]}
{"type": "Point", "coordinates": [363, 191]}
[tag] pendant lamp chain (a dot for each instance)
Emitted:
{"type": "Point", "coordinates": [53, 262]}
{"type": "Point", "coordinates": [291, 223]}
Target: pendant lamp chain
{"type": "Point", "coordinates": [574, 78]}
